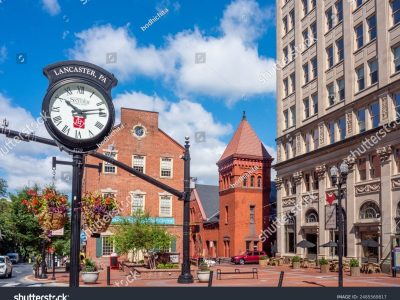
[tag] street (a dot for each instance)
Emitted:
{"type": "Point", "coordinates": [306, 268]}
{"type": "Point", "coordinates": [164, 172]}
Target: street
{"type": "Point", "coordinates": [20, 271]}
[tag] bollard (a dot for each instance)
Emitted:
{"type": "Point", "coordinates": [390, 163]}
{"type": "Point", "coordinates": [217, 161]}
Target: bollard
{"type": "Point", "coordinates": [108, 276]}
{"type": "Point", "coordinates": [210, 279]}
{"type": "Point", "coordinates": [281, 279]}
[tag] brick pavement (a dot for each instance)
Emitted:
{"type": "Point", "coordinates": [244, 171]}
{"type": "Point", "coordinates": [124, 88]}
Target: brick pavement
{"type": "Point", "coordinates": [267, 277]}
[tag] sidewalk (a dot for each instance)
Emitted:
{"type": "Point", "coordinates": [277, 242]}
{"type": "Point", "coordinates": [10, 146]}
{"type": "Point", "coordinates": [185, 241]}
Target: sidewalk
{"type": "Point", "coordinates": [267, 277]}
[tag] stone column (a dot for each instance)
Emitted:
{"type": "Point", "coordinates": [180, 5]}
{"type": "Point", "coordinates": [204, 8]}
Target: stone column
{"type": "Point", "coordinates": [280, 231]}
{"type": "Point", "coordinates": [386, 205]}
{"type": "Point", "coordinates": [323, 236]}
{"type": "Point", "coordinates": [351, 209]}
{"type": "Point", "coordinates": [298, 176]}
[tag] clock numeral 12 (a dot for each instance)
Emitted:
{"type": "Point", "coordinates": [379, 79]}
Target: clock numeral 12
{"type": "Point", "coordinates": [55, 109]}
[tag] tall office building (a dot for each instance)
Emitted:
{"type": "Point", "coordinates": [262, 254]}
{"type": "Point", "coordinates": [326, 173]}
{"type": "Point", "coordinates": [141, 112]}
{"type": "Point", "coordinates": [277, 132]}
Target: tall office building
{"type": "Point", "coordinates": [338, 97]}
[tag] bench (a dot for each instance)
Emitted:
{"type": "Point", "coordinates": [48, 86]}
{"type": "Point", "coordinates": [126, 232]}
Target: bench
{"type": "Point", "coordinates": [254, 272]}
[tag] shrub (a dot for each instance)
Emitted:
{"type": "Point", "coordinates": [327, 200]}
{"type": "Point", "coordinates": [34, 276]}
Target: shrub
{"type": "Point", "coordinates": [323, 262]}
{"type": "Point", "coordinates": [263, 257]}
{"type": "Point", "coordinates": [296, 259]}
{"type": "Point", "coordinates": [354, 263]}
{"type": "Point", "coordinates": [89, 266]}
{"type": "Point", "coordinates": [167, 266]}
{"type": "Point", "coordinates": [203, 267]}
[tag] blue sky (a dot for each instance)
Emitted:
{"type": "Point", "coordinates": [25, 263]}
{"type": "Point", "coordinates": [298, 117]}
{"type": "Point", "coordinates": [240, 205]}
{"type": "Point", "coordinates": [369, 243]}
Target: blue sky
{"type": "Point", "coordinates": [156, 68]}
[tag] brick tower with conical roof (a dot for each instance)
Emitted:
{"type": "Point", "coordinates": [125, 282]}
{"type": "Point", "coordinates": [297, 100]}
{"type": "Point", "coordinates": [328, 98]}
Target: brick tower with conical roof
{"type": "Point", "coordinates": [244, 188]}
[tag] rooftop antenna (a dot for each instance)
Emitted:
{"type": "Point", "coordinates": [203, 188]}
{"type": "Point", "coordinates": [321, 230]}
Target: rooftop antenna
{"type": "Point", "coordinates": [244, 115]}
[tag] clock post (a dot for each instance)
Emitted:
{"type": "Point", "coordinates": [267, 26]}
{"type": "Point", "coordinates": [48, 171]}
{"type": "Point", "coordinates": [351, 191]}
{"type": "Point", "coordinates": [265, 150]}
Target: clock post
{"type": "Point", "coordinates": [78, 114]}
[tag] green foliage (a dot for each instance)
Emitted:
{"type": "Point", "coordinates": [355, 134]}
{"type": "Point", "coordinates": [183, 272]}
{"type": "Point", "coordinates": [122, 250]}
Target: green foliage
{"type": "Point", "coordinates": [139, 234]}
{"type": "Point", "coordinates": [168, 266]}
{"type": "Point", "coordinates": [354, 263]}
{"type": "Point", "coordinates": [323, 261]}
{"type": "Point", "coordinates": [296, 259]}
{"type": "Point", "coordinates": [203, 267]}
{"type": "Point", "coordinates": [20, 229]}
{"type": "Point", "coordinates": [89, 265]}
{"type": "Point", "coordinates": [3, 187]}
{"type": "Point", "coordinates": [263, 257]}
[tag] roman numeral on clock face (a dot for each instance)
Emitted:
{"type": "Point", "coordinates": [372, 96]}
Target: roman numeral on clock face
{"type": "Point", "coordinates": [81, 89]}
{"type": "Point", "coordinates": [57, 120]}
{"type": "Point", "coordinates": [66, 130]}
{"type": "Point", "coordinates": [78, 134]}
{"type": "Point", "coordinates": [55, 109]}
{"type": "Point", "coordinates": [100, 103]}
{"type": "Point", "coordinates": [68, 90]}
{"type": "Point", "coordinates": [91, 134]}
{"type": "Point", "coordinates": [99, 125]}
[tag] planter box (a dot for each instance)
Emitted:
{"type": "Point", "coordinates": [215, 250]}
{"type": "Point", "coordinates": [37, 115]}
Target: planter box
{"type": "Point", "coordinates": [355, 271]}
{"type": "Point", "coordinates": [296, 265]}
{"type": "Point", "coordinates": [203, 276]}
{"type": "Point", "coordinates": [90, 277]}
{"type": "Point", "coordinates": [324, 268]}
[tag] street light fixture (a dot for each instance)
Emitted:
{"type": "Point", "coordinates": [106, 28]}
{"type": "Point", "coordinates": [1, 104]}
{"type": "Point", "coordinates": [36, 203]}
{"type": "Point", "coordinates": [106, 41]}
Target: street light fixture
{"type": "Point", "coordinates": [339, 177]}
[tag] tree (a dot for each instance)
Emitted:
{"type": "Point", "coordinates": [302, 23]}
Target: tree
{"type": "Point", "coordinates": [3, 187]}
{"type": "Point", "coordinates": [139, 234]}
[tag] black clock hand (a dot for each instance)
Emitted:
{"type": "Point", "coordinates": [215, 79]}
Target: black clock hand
{"type": "Point", "coordinates": [74, 107]}
{"type": "Point", "coordinates": [85, 110]}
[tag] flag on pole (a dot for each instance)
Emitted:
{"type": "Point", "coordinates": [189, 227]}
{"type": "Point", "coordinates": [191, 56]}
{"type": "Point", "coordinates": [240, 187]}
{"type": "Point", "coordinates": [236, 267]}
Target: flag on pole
{"type": "Point", "coordinates": [330, 197]}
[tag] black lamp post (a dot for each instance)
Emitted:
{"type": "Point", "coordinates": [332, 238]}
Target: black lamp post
{"type": "Point", "coordinates": [186, 275]}
{"type": "Point", "coordinates": [339, 178]}
{"type": "Point", "coordinates": [43, 274]}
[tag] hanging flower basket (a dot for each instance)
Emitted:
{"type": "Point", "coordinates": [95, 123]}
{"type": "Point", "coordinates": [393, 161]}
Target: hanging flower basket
{"type": "Point", "coordinates": [49, 207]}
{"type": "Point", "coordinates": [98, 211]}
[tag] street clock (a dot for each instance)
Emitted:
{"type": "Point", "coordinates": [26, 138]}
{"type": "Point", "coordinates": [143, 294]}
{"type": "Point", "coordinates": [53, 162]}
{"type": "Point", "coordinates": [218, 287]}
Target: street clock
{"type": "Point", "coordinates": [77, 108]}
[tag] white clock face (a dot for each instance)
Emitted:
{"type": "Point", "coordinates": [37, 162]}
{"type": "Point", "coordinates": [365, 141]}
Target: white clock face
{"type": "Point", "coordinates": [79, 111]}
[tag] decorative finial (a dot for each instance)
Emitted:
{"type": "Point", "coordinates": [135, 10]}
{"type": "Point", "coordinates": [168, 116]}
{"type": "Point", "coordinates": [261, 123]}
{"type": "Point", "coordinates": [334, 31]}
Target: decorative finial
{"type": "Point", "coordinates": [5, 123]}
{"type": "Point", "coordinates": [187, 138]}
{"type": "Point", "coordinates": [244, 115]}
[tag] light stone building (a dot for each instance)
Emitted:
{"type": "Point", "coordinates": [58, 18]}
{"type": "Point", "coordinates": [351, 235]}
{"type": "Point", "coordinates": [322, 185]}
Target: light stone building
{"type": "Point", "coordinates": [338, 93]}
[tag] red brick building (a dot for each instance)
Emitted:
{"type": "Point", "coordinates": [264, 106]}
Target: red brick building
{"type": "Point", "coordinates": [242, 211]}
{"type": "Point", "coordinates": [139, 142]}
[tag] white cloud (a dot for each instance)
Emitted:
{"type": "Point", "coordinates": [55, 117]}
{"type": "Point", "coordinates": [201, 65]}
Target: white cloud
{"type": "Point", "coordinates": [27, 163]}
{"type": "Point", "coordinates": [185, 118]}
{"type": "Point", "coordinates": [232, 69]}
{"type": "Point", "coordinates": [3, 54]}
{"type": "Point", "coordinates": [51, 6]}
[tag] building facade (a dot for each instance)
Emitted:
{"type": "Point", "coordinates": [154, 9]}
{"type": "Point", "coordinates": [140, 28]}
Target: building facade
{"type": "Point", "coordinates": [338, 98]}
{"type": "Point", "coordinates": [139, 142]}
{"type": "Point", "coordinates": [230, 218]}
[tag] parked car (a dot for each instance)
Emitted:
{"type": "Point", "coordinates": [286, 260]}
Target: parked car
{"type": "Point", "coordinates": [14, 257]}
{"type": "Point", "coordinates": [5, 267]}
{"type": "Point", "coordinates": [247, 257]}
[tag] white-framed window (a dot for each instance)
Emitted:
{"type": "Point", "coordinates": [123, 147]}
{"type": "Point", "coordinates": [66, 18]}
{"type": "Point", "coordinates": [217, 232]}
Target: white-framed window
{"type": "Point", "coordinates": [360, 78]}
{"type": "Point", "coordinates": [139, 163]}
{"type": "Point", "coordinates": [107, 167]}
{"type": "Point", "coordinates": [286, 118]}
{"type": "Point", "coordinates": [165, 205]}
{"type": "Point", "coordinates": [306, 73]}
{"type": "Point", "coordinates": [293, 115]}
{"type": "Point", "coordinates": [329, 53]}
{"type": "Point", "coordinates": [292, 82]}
{"type": "Point", "coordinates": [292, 19]}
{"type": "Point", "coordinates": [314, 32]}
{"type": "Point", "coordinates": [286, 87]}
{"type": "Point", "coordinates": [314, 67]}
{"type": "Point", "coordinates": [361, 120]}
{"type": "Point", "coordinates": [342, 128]}
{"type": "Point", "coordinates": [166, 164]}
{"type": "Point", "coordinates": [331, 132]}
{"type": "Point", "coordinates": [395, 6]}
{"type": "Point", "coordinates": [371, 21]}
{"type": "Point", "coordinates": [340, 49]}
{"type": "Point", "coordinates": [329, 18]}
{"type": "Point", "coordinates": [373, 71]}
{"type": "Point", "coordinates": [314, 99]}
{"type": "Point", "coordinates": [306, 105]}
{"type": "Point", "coordinates": [285, 25]}
{"type": "Point", "coordinates": [315, 139]}
{"type": "Point", "coordinates": [331, 94]}
{"type": "Point", "coordinates": [339, 11]}
{"type": "Point", "coordinates": [138, 202]}
{"type": "Point", "coordinates": [396, 103]}
{"type": "Point", "coordinates": [108, 246]}
{"type": "Point", "coordinates": [359, 31]}
{"type": "Point", "coordinates": [341, 89]}
{"type": "Point", "coordinates": [396, 58]}
{"type": "Point", "coordinates": [374, 114]}
{"type": "Point", "coordinates": [109, 193]}
{"type": "Point", "coordinates": [306, 38]}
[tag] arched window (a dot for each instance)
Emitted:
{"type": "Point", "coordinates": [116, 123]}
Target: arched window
{"type": "Point", "coordinates": [252, 181]}
{"type": "Point", "coordinates": [369, 210]}
{"type": "Point", "coordinates": [311, 216]}
{"type": "Point", "coordinates": [245, 180]}
{"type": "Point", "coordinates": [259, 181]}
